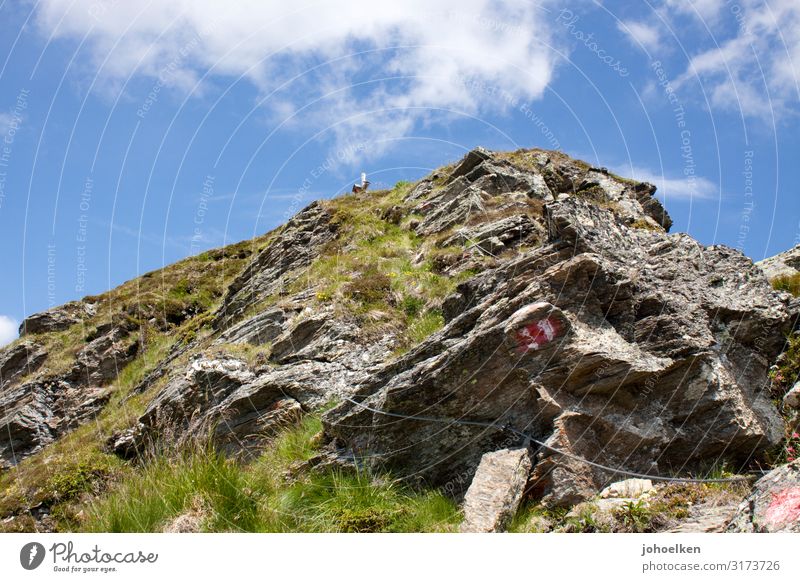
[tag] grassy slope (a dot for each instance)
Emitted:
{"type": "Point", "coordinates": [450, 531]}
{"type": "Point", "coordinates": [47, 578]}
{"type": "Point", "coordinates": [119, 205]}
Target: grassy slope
{"type": "Point", "coordinates": [368, 271]}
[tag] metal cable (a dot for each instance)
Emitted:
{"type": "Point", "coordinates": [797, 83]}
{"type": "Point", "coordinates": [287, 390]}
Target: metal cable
{"type": "Point", "coordinates": [528, 437]}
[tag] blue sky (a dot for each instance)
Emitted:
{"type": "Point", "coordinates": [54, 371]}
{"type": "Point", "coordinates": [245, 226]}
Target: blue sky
{"type": "Point", "coordinates": [137, 133]}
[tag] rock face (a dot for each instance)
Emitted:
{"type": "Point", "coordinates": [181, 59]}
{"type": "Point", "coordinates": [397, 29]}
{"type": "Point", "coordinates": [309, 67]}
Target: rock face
{"type": "Point", "coordinates": [496, 490]}
{"type": "Point", "coordinates": [294, 247]}
{"type": "Point", "coordinates": [625, 346]}
{"type": "Point", "coordinates": [103, 358]}
{"type": "Point", "coordinates": [782, 265]}
{"type": "Point", "coordinates": [706, 520]}
{"type": "Point", "coordinates": [238, 408]}
{"type": "Point", "coordinates": [56, 319]}
{"type": "Point", "coordinates": [37, 413]}
{"type": "Point", "coordinates": [773, 505]}
{"type": "Point", "coordinates": [19, 360]}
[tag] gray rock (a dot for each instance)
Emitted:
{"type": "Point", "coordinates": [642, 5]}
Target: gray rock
{"type": "Point", "coordinates": [104, 358]}
{"type": "Point", "coordinates": [453, 205]}
{"type": "Point", "coordinates": [792, 398]}
{"type": "Point", "coordinates": [494, 237]}
{"type": "Point", "coordinates": [238, 409]}
{"type": "Point", "coordinates": [782, 265]}
{"type": "Point", "coordinates": [56, 319]}
{"type": "Point", "coordinates": [496, 490]}
{"type": "Point", "coordinates": [295, 246]}
{"type": "Point", "coordinates": [36, 413]}
{"type": "Point", "coordinates": [20, 360]}
{"type": "Point", "coordinates": [651, 206]}
{"type": "Point", "coordinates": [773, 505]}
{"type": "Point", "coordinates": [27, 421]}
{"type": "Point", "coordinates": [258, 330]}
{"type": "Point", "coordinates": [635, 349]}
{"type": "Point", "coordinates": [630, 488]}
{"type": "Point", "coordinates": [469, 162]}
{"type": "Point", "coordinates": [706, 519]}
{"type": "Point", "coordinates": [317, 336]}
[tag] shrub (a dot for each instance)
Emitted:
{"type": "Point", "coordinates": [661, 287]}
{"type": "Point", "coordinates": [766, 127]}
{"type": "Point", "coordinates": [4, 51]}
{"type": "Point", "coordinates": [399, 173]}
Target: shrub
{"type": "Point", "coordinates": [370, 286]}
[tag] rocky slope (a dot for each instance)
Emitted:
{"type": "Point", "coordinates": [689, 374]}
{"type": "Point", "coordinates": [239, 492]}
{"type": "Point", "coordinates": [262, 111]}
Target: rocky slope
{"type": "Point", "coordinates": [509, 299]}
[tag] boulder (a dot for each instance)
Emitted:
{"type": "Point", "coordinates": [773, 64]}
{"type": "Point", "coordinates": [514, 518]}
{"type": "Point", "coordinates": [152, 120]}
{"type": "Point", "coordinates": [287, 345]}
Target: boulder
{"type": "Point", "coordinates": [56, 319]}
{"type": "Point", "coordinates": [496, 490]}
{"type": "Point", "coordinates": [792, 398]}
{"type": "Point", "coordinates": [773, 505]}
{"type": "Point", "coordinates": [630, 488]}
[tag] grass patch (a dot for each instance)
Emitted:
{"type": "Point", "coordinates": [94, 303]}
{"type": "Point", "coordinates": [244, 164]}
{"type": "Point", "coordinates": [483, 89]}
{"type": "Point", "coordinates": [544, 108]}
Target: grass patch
{"type": "Point", "coordinates": [788, 283]}
{"type": "Point", "coordinates": [373, 270]}
{"type": "Point", "coordinates": [227, 496]}
{"type": "Point", "coordinates": [643, 224]}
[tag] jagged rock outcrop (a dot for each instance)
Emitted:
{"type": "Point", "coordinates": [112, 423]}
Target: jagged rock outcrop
{"type": "Point", "coordinates": [56, 319]}
{"type": "Point", "coordinates": [773, 505]}
{"type": "Point", "coordinates": [104, 357]}
{"type": "Point", "coordinates": [295, 245]}
{"type": "Point", "coordinates": [19, 360]}
{"type": "Point", "coordinates": [625, 346]}
{"type": "Point", "coordinates": [313, 360]}
{"type": "Point", "coordinates": [257, 330]}
{"type": "Point", "coordinates": [579, 322]}
{"type": "Point", "coordinates": [784, 264]}
{"type": "Point", "coordinates": [36, 413]}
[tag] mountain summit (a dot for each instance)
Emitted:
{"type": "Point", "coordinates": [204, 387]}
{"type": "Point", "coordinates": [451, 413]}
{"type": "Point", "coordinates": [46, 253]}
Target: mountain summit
{"type": "Point", "coordinates": [512, 301]}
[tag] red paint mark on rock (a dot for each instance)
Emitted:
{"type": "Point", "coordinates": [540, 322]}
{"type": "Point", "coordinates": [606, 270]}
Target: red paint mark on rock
{"type": "Point", "coordinates": [538, 334]}
{"type": "Point", "coordinates": [784, 507]}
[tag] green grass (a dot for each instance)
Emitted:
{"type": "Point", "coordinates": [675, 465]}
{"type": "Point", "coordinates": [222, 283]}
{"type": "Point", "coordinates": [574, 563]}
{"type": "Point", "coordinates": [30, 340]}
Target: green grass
{"type": "Point", "coordinates": [789, 283]}
{"type": "Point", "coordinates": [642, 224]}
{"type": "Point", "coordinates": [226, 496]}
{"type": "Point", "coordinates": [373, 272]}
{"type": "Point", "coordinates": [424, 325]}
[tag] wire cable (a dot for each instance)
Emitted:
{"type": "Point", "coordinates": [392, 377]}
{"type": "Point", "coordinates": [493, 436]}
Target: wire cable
{"type": "Point", "coordinates": [508, 428]}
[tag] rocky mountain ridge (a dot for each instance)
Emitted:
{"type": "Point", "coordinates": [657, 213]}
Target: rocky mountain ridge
{"type": "Point", "coordinates": [522, 290]}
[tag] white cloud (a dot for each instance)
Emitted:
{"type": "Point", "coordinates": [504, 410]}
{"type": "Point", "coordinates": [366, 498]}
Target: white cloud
{"type": "Point", "coordinates": [753, 70]}
{"type": "Point", "coordinates": [427, 46]}
{"type": "Point", "coordinates": [641, 33]}
{"type": "Point", "coordinates": [672, 188]}
{"type": "Point", "coordinates": [8, 330]}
